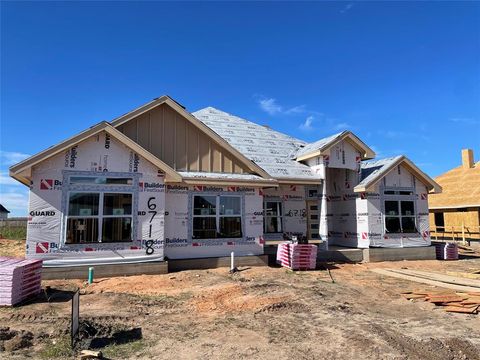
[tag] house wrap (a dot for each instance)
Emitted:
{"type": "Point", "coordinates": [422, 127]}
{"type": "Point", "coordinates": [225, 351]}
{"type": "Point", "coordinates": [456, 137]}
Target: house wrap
{"type": "Point", "coordinates": [168, 183]}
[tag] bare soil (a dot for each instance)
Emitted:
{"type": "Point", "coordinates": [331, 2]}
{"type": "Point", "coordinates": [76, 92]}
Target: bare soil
{"type": "Point", "coordinates": [258, 313]}
{"type": "Point", "coordinates": [13, 248]}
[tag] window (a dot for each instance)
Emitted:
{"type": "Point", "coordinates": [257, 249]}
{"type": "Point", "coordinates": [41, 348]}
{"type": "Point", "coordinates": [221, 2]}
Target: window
{"type": "Point", "coordinates": [439, 221]}
{"type": "Point", "coordinates": [92, 180]}
{"type": "Point", "coordinates": [272, 216]}
{"type": "Point", "coordinates": [217, 217]}
{"type": "Point", "coordinates": [400, 216]}
{"type": "Point", "coordinates": [99, 217]}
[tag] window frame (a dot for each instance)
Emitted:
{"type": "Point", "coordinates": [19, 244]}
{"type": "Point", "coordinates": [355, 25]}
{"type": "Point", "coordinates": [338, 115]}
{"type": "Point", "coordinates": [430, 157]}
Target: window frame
{"type": "Point", "coordinates": [399, 195]}
{"type": "Point", "coordinates": [279, 216]}
{"type": "Point", "coordinates": [102, 190]}
{"type": "Point", "coordinates": [100, 215]}
{"type": "Point", "coordinates": [217, 216]}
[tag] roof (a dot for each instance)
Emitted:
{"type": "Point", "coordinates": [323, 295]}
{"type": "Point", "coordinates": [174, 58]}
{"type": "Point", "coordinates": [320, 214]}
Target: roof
{"type": "Point", "coordinates": [194, 121]}
{"type": "Point", "coordinates": [197, 177]}
{"type": "Point", "coordinates": [461, 188]}
{"type": "Point", "coordinates": [3, 209]}
{"type": "Point", "coordinates": [375, 170]}
{"type": "Point", "coordinates": [271, 150]}
{"type": "Point", "coordinates": [21, 171]}
{"type": "Point", "coordinates": [318, 147]}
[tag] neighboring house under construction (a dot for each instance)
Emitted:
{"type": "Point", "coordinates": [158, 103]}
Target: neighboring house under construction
{"type": "Point", "coordinates": [455, 213]}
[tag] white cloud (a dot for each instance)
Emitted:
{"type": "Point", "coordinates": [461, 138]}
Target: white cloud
{"type": "Point", "coordinates": [11, 157]}
{"type": "Point", "coordinates": [342, 126]}
{"type": "Point", "coordinates": [307, 124]}
{"type": "Point", "coordinates": [270, 106]}
{"type": "Point", "coordinates": [5, 179]}
{"type": "Point", "coordinates": [15, 200]}
{"type": "Point", "coordinates": [462, 120]}
{"type": "Point", "coordinates": [346, 8]}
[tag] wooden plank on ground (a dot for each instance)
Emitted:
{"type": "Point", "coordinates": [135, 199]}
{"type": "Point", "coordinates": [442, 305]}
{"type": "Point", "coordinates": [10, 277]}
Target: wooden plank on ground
{"type": "Point", "coordinates": [461, 288]}
{"type": "Point", "coordinates": [440, 277]}
{"type": "Point", "coordinates": [464, 274]}
{"type": "Point", "coordinates": [461, 309]}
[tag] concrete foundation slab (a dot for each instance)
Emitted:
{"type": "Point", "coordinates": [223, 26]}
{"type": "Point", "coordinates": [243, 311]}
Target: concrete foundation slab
{"type": "Point", "coordinates": [212, 263]}
{"type": "Point", "coordinates": [399, 254]}
{"type": "Point", "coordinates": [81, 272]}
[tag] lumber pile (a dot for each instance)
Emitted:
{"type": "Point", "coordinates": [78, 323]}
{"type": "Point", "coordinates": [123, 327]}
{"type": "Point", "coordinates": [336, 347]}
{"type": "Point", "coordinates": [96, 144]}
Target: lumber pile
{"type": "Point", "coordinates": [467, 303]}
{"type": "Point", "coordinates": [297, 256]}
{"type": "Point", "coordinates": [19, 279]}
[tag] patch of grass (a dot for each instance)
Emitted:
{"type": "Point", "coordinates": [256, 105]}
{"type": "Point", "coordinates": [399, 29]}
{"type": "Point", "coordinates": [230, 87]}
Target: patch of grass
{"type": "Point", "coordinates": [14, 232]}
{"type": "Point", "coordinates": [124, 351]}
{"type": "Point", "coordinates": [57, 349]}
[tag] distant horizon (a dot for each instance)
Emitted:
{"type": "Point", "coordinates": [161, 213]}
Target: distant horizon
{"type": "Point", "coordinates": [403, 76]}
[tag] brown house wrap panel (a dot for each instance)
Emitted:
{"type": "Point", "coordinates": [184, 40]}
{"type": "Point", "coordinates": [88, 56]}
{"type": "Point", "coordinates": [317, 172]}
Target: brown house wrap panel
{"type": "Point", "coordinates": [180, 144]}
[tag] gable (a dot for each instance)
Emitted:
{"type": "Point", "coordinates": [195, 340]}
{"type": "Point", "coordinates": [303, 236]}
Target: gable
{"type": "Point", "coordinates": [23, 170]}
{"type": "Point", "coordinates": [176, 141]}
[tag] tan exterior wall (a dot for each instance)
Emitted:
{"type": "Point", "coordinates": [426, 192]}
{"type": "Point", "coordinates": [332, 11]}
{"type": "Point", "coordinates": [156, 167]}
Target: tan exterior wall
{"type": "Point", "coordinates": [454, 220]}
{"type": "Point", "coordinates": [174, 140]}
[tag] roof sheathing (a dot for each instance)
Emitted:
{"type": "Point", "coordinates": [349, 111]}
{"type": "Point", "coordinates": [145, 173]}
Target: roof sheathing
{"type": "Point", "coordinates": [273, 151]}
{"type": "Point", "coordinates": [374, 170]}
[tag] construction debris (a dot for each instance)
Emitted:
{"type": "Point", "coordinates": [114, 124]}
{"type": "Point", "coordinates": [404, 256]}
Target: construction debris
{"type": "Point", "coordinates": [440, 280]}
{"type": "Point", "coordinates": [452, 302]}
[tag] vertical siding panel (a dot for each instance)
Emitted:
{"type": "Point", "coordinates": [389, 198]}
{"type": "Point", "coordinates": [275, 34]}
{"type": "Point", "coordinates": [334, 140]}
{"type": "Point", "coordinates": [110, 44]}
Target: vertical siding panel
{"type": "Point", "coordinates": [204, 154]}
{"type": "Point", "coordinates": [180, 143]}
{"type": "Point", "coordinates": [192, 143]}
{"type": "Point", "coordinates": [216, 158]}
{"type": "Point", "coordinates": [131, 129]}
{"type": "Point", "coordinates": [156, 136]}
{"type": "Point", "coordinates": [169, 137]}
{"type": "Point", "coordinates": [143, 131]}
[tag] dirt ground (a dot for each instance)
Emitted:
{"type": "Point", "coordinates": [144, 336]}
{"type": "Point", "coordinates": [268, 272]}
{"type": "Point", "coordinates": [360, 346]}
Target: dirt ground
{"type": "Point", "coordinates": [14, 248]}
{"type": "Point", "coordinates": [258, 313]}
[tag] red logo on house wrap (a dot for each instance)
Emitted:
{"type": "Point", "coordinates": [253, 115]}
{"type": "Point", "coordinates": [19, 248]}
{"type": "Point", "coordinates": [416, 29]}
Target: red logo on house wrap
{"type": "Point", "coordinates": [41, 248]}
{"type": "Point", "coordinates": [46, 184]}
{"type": "Point", "coordinates": [293, 187]}
{"type": "Point", "coordinates": [426, 234]}
{"type": "Point", "coordinates": [140, 185]}
{"type": "Point", "coordinates": [363, 196]}
{"type": "Point", "coordinates": [423, 196]}
{"type": "Point", "coordinates": [231, 188]}
{"type": "Point", "coordinates": [357, 159]}
{"type": "Point", "coordinates": [198, 188]}
{"type": "Point", "coordinates": [260, 192]}
{"type": "Point", "coordinates": [364, 236]}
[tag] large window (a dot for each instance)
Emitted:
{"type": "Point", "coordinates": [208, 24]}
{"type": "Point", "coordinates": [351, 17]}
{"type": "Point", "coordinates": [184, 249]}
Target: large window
{"type": "Point", "coordinates": [99, 217]}
{"type": "Point", "coordinates": [400, 216]}
{"type": "Point", "coordinates": [272, 219]}
{"type": "Point", "coordinates": [217, 216]}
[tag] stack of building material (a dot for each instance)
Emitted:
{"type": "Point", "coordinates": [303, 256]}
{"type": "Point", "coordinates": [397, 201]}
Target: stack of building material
{"type": "Point", "coordinates": [297, 256]}
{"type": "Point", "coordinates": [468, 303]}
{"type": "Point", "coordinates": [447, 251]}
{"type": "Point", "coordinates": [19, 279]}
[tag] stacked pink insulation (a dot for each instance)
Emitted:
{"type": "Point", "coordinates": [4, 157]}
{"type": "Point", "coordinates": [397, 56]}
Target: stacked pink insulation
{"type": "Point", "coordinates": [297, 256]}
{"type": "Point", "coordinates": [19, 279]}
{"type": "Point", "coordinates": [448, 251]}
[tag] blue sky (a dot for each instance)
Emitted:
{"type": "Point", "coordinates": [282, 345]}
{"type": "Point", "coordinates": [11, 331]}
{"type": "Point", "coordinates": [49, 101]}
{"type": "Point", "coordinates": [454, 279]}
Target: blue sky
{"type": "Point", "coordinates": [404, 76]}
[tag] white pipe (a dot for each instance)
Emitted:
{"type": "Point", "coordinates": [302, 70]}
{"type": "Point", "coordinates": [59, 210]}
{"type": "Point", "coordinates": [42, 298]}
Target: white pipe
{"type": "Point", "coordinates": [232, 261]}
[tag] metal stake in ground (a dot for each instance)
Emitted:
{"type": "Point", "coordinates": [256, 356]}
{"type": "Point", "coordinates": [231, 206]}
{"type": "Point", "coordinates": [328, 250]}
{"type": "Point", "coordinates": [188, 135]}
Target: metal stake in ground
{"type": "Point", "coordinates": [75, 316]}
